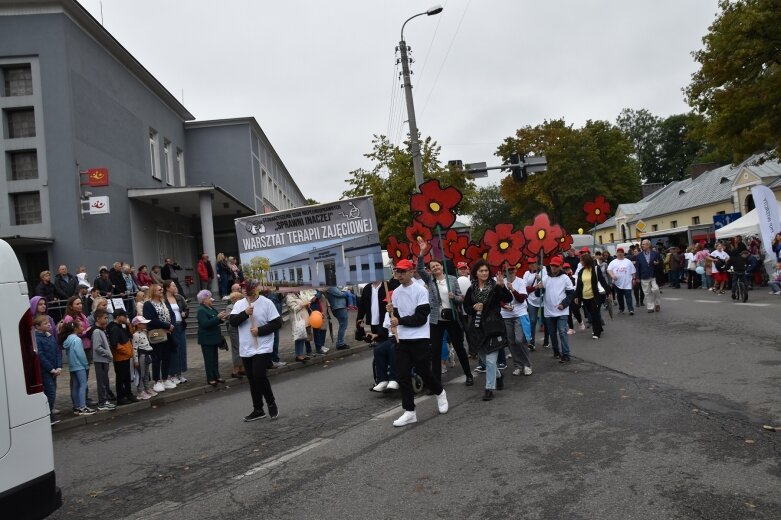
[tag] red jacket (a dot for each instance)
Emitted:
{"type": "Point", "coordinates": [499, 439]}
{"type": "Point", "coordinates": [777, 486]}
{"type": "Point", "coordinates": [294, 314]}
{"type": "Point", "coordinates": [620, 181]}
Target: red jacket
{"type": "Point", "coordinates": [203, 271]}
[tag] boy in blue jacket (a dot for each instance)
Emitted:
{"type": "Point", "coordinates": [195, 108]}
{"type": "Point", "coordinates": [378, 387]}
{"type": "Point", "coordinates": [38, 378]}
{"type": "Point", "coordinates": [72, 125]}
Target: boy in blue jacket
{"type": "Point", "coordinates": [50, 360]}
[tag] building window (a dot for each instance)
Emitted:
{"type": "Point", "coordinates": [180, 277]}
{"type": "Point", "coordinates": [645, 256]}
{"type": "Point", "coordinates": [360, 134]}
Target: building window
{"type": "Point", "coordinates": [27, 208]}
{"type": "Point", "coordinates": [673, 223]}
{"type": "Point", "coordinates": [24, 165]}
{"type": "Point", "coordinates": [654, 227]}
{"type": "Point", "coordinates": [612, 239]}
{"type": "Point", "coordinates": [153, 155]}
{"type": "Point", "coordinates": [21, 123]}
{"type": "Point", "coordinates": [695, 220]}
{"type": "Point", "coordinates": [168, 167]}
{"type": "Point", "coordinates": [17, 80]}
{"type": "Point", "coordinates": [180, 166]}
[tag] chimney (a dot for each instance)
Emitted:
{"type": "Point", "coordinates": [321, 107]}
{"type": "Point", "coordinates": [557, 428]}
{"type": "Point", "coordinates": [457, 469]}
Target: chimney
{"type": "Point", "coordinates": [699, 169]}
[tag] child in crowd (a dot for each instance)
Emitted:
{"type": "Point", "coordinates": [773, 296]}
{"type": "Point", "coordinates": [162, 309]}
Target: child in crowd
{"type": "Point", "coordinates": [77, 364]}
{"type": "Point", "coordinates": [102, 358]}
{"type": "Point", "coordinates": [50, 360]}
{"type": "Point", "coordinates": [142, 358]}
{"type": "Point", "coordinates": [122, 351]}
{"type": "Point", "coordinates": [140, 299]}
{"type": "Point", "coordinates": [775, 281]}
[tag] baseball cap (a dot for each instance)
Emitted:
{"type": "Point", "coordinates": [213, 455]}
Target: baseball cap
{"type": "Point", "coordinates": [556, 260]}
{"type": "Point", "coordinates": [404, 265]}
{"type": "Point", "coordinates": [462, 265]}
{"type": "Point", "coordinates": [140, 319]}
{"type": "Point", "coordinates": [584, 249]}
{"type": "Point", "coordinates": [565, 266]}
{"type": "Point", "coordinates": [620, 249]}
{"type": "Point", "coordinates": [531, 260]}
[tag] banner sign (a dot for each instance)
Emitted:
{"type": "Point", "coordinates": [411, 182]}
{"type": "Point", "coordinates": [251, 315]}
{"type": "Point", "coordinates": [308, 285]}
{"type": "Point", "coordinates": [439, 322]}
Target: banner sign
{"type": "Point", "coordinates": [97, 177]}
{"type": "Point", "coordinates": [767, 214]}
{"type": "Point", "coordinates": [719, 221]}
{"type": "Point", "coordinates": [98, 205]}
{"type": "Point", "coordinates": [336, 243]}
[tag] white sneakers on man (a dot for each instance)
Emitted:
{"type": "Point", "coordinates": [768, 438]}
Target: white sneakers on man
{"type": "Point", "coordinates": [381, 386]}
{"type": "Point", "coordinates": [442, 402]}
{"type": "Point", "coordinates": [158, 387]}
{"type": "Point", "coordinates": [406, 418]}
{"type": "Point", "coordinates": [392, 385]}
{"type": "Point", "coordinates": [527, 371]}
{"type": "Point", "coordinates": [168, 384]}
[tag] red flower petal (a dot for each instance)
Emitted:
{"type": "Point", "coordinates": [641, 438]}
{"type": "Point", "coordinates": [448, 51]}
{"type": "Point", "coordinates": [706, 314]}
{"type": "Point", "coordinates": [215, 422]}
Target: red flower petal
{"type": "Point", "coordinates": [434, 205]}
{"type": "Point", "coordinates": [504, 245]}
{"type": "Point", "coordinates": [542, 236]}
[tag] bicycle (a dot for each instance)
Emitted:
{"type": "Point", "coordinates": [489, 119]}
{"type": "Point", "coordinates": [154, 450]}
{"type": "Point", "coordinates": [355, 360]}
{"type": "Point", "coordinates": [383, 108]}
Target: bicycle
{"type": "Point", "coordinates": [739, 288]}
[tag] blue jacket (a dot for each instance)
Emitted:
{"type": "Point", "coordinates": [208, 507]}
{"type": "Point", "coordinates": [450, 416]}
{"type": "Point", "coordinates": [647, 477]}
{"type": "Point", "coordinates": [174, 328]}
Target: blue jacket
{"type": "Point", "coordinates": [48, 352]}
{"type": "Point", "coordinates": [645, 270]}
{"type": "Point", "coordinates": [77, 359]}
{"type": "Point", "coordinates": [336, 298]}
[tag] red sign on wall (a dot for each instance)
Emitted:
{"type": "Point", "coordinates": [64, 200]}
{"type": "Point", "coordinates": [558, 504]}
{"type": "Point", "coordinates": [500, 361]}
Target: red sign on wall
{"type": "Point", "coordinates": [97, 177]}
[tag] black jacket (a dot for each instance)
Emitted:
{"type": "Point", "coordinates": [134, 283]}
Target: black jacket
{"type": "Point", "coordinates": [47, 291]}
{"type": "Point", "coordinates": [104, 285]}
{"type": "Point", "coordinates": [65, 289]}
{"type": "Point", "coordinates": [594, 288]}
{"type": "Point", "coordinates": [117, 281]}
{"type": "Point", "coordinates": [365, 302]}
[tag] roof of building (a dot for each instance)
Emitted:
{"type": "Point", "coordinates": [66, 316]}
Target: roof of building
{"type": "Point", "coordinates": [93, 28]}
{"type": "Point", "coordinates": [609, 223]}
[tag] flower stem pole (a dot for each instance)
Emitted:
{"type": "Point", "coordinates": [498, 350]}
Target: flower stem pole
{"type": "Point", "coordinates": [456, 314]}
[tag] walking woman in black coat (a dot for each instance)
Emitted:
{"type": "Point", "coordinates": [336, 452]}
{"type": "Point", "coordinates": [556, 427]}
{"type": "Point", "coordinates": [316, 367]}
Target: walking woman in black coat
{"type": "Point", "coordinates": [587, 291]}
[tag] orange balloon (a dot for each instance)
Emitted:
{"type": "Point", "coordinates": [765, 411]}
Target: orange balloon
{"type": "Point", "coordinates": [316, 319]}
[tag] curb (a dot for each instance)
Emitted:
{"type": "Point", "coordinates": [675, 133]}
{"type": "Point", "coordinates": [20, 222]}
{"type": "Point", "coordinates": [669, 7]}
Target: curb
{"type": "Point", "coordinates": [174, 396]}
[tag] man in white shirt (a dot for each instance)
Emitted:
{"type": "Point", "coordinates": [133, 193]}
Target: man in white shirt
{"type": "Point", "coordinates": [256, 318]}
{"type": "Point", "coordinates": [622, 271]}
{"type": "Point", "coordinates": [558, 295]}
{"type": "Point", "coordinates": [534, 301]}
{"type": "Point", "coordinates": [410, 311]}
{"type": "Point", "coordinates": [511, 313]}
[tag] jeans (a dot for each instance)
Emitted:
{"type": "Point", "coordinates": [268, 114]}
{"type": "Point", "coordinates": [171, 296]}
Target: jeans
{"type": "Point", "coordinates": [275, 352]}
{"type": "Point", "coordinates": [101, 381]}
{"type": "Point", "coordinates": [385, 360]}
{"type": "Point", "coordinates": [414, 353]}
{"type": "Point", "coordinates": [161, 360]}
{"type": "Point", "coordinates": [675, 278]}
{"type": "Point", "coordinates": [224, 285]}
{"type": "Point", "coordinates": [341, 316]}
{"type": "Point", "coordinates": [49, 388]}
{"type": "Point", "coordinates": [625, 294]}
{"type": "Point", "coordinates": [300, 345]}
{"type": "Point", "coordinates": [79, 388]}
{"type": "Point", "coordinates": [179, 356]}
{"type": "Point", "coordinates": [526, 326]}
{"type": "Point", "coordinates": [774, 286]}
{"type": "Point", "coordinates": [491, 370]}
{"type": "Point", "coordinates": [210, 362]}
{"type": "Point", "coordinates": [651, 292]}
{"type": "Point", "coordinates": [558, 324]}
{"type": "Point", "coordinates": [319, 335]}
{"type": "Point", "coordinates": [517, 343]}
{"type": "Point", "coordinates": [259, 385]}
{"type": "Point", "coordinates": [534, 316]}
{"type": "Point", "coordinates": [705, 280]}
{"type": "Point", "coordinates": [144, 371]}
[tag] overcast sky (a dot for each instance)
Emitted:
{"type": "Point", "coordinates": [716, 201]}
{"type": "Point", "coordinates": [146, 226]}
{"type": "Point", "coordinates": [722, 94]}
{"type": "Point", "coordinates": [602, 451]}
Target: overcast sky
{"type": "Point", "coordinates": [321, 77]}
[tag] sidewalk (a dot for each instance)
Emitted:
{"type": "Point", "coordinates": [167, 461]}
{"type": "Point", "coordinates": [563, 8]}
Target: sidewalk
{"type": "Point", "coordinates": [196, 377]}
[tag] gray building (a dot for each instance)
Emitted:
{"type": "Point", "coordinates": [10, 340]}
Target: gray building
{"type": "Point", "coordinates": [73, 99]}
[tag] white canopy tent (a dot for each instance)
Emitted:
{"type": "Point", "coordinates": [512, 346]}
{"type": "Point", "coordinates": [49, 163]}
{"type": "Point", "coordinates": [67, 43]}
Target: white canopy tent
{"type": "Point", "coordinates": [748, 224]}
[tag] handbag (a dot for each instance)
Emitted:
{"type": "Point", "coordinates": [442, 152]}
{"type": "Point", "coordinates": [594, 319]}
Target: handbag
{"type": "Point", "coordinates": [299, 328]}
{"type": "Point", "coordinates": [223, 344]}
{"type": "Point", "coordinates": [446, 314]}
{"type": "Point", "coordinates": [493, 325]}
{"type": "Point", "coordinates": [157, 336]}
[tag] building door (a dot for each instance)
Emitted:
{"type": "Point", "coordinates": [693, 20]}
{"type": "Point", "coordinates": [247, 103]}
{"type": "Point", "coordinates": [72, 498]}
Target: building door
{"type": "Point", "coordinates": [33, 263]}
{"type": "Point", "coordinates": [330, 272]}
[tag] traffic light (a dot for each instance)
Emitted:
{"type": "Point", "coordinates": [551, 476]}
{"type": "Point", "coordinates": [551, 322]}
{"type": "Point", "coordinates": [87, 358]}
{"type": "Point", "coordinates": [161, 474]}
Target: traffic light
{"type": "Point", "coordinates": [517, 168]}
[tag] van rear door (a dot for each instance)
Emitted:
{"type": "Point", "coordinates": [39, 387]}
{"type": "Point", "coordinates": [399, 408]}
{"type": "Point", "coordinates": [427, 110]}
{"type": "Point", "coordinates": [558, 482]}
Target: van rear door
{"type": "Point", "coordinates": [5, 419]}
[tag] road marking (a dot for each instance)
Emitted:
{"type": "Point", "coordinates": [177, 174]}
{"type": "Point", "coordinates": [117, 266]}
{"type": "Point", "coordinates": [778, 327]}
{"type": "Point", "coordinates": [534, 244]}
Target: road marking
{"type": "Point", "coordinates": [159, 509]}
{"type": "Point", "coordinates": [672, 299]}
{"type": "Point", "coordinates": [277, 460]}
{"type": "Point", "coordinates": [707, 301]}
{"type": "Point", "coordinates": [397, 409]}
{"type": "Point", "coordinates": [459, 379]}
{"type": "Point", "coordinates": [755, 304]}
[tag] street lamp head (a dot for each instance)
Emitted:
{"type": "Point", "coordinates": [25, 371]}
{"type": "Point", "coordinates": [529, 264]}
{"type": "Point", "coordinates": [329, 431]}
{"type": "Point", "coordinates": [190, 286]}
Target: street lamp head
{"type": "Point", "coordinates": [434, 10]}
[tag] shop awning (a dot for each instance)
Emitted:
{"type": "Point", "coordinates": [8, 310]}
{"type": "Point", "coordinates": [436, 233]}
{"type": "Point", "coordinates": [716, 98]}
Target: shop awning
{"type": "Point", "coordinates": [185, 200]}
{"type": "Point", "coordinates": [665, 232]}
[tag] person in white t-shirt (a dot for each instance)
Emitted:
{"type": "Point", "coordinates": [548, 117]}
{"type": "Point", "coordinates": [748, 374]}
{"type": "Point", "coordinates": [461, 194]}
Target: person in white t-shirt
{"type": "Point", "coordinates": [534, 303]}
{"type": "Point", "coordinates": [559, 292]}
{"type": "Point", "coordinates": [622, 271]}
{"type": "Point", "coordinates": [256, 318]}
{"type": "Point", "coordinates": [410, 311]}
{"type": "Point", "coordinates": [719, 272]}
{"type": "Point", "coordinates": [511, 314]}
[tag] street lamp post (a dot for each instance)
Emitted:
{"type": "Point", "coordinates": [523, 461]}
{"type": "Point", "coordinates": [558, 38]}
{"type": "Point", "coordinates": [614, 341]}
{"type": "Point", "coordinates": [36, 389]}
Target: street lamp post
{"type": "Point", "coordinates": [417, 162]}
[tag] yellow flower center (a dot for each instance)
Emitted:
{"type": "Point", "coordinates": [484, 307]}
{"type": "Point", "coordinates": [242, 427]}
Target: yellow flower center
{"type": "Point", "coordinates": [597, 212]}
{"type": "Point", "coordinates": [504, 245]}
{"type": "Point", "coordinates": [541, 234]}
{"type": "Point", "coordinates": [434, 206]}
{"type": "Point", "coordinates": [398, 254]}
{"type": "Point", "coordinates": [463, 251]}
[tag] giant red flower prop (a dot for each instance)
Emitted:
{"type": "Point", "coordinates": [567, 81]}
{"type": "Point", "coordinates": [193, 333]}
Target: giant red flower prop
{"type": "Point", "coordinates": [397, 250]}
{"type": "Point", "coordinates": [565, 242]}
{"type": "Point", "coordinates": [596, 210]}
{"type": "Point", "coordinates": [475, 252]}
{"type": "Point", "coordinates": [458, 248]}
{"type": "Point", "coordinates": [434, 205]}
{"type": "Point", "coordinates": [504, 245]}
{"type": "Point", "coordinates": [415, 231]}
{"type": "Point", "coordinates": [542, 236]}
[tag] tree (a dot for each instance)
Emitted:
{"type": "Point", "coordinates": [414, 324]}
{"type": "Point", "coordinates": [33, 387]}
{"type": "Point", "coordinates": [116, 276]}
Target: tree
{"type": "Point", "coordinates": [256, 269]}
{"type": "Point", "coordinates": [738, 85]}
{"type": "Point", "coordinates": [311, 202]}
{"type": "Point", "coordinates": [582, 163]}
{"type": "Point", "coordinates": [391, 181]}
{"type": "Point", "coordinates": [642, 129]}
{"type": "Point", "coordinates": [489, 209]}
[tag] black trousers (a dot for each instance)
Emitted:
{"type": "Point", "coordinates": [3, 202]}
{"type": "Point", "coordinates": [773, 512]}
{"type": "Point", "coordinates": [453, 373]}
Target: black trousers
{"type": "Point", "coordinates": [122, 375]}
{"type": "Point", "coordinates": [456, 335]}
{"type": "Point", "coordinates": [259, 385]}
{"type": "Point", "coordinates": [414, 353]}
{"type": "Point", "coordinates": [592, 307]}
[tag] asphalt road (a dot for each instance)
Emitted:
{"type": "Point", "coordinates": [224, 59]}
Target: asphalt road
{"type": "Point", "coordinates": [661, 418]}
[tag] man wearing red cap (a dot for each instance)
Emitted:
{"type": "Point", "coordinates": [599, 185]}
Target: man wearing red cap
{"type": "Point", "coordinates": [410, 311]}
{"type": "Point", "coordinates": [558, 295]}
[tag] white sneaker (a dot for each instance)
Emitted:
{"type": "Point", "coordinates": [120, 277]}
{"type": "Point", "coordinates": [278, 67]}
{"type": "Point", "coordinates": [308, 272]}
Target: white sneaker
{"type": "Point", "coordinates": [182, 379]}
{"type": "Point", "coordinates": [392, 385]}
{"type": "Point", "coordinates": [517, 372]}
{"type": "Point", "coordinates": [444, 369]}
{"type": "Point", "coordinates": [527, 371]}
{"type": "Point", "coordinates": [442, 402]}
{"type": "Point", "coordinates": [570, 332]}
{"type": "Point", "coordinates": [158, 387]}
{"type": "Point", "coordinates": [381, 386]}
{"type": "Point", "coordinates": [406, 418]}
{"type": "Point", "coordinates": [168, 384]}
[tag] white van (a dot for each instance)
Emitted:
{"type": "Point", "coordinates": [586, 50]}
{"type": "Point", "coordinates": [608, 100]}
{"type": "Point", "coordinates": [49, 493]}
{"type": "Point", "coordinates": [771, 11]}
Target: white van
{"type": "Point", "coordinates": [28, 488]}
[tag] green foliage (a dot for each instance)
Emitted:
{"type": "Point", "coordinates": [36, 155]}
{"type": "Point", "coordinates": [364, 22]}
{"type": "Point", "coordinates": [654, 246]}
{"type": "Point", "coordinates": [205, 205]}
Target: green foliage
{"type": "Point", "coordinates": [738, 86]}
{"type": "Point", "coordinates": [582, 163]}
{"type": "Point", "coordinates": [311, 202]}
{"type": "Point", "coordinates": [391, 182]}
{"type": "Point", "coordinates": [256, 269]}
{"type": "Point", "coordinates": [490, 208]}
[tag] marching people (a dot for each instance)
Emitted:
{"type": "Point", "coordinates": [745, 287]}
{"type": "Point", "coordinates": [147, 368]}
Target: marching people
{"type": "Point", "coordinates": [534, 302]}
{"type": "Point", "coordinates": [257, 318]}
{"type": "Point", "coordinates": [385, 353]}
{"type": "Point", "coordinates": [559, 292]}
{"type": "Point", "coordinates": [590, 289]}
{"type": "Point", "coordinates": [511, 314]}
{"type": "Point", "coordinates": [483, 301]}
{"type": "Point", "coordinates": [622, 271]}
{"type": "Point", "coordinates": [647, 262]}
{"type": "Point", "coordinates": [410, 310]}
{"type": "Point", "coordinates": [444, 296]}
